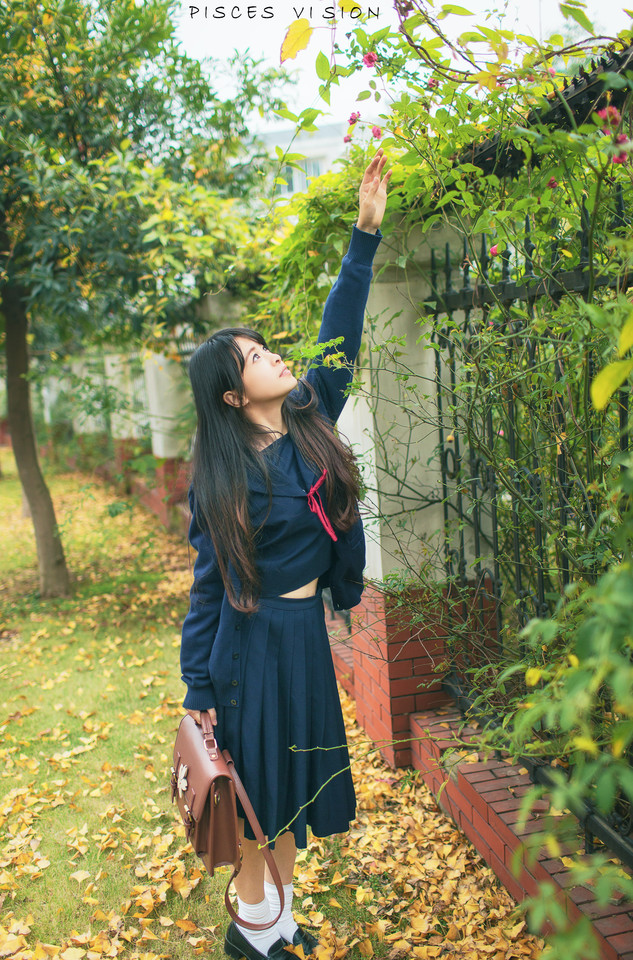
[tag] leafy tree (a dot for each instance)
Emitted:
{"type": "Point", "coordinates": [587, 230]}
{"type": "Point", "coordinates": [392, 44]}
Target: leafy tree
{"type": "Point", "coordinates": [104, 125]}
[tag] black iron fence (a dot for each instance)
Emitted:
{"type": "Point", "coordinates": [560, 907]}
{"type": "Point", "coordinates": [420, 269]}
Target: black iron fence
{"type": "Point", "coordinates": [525, 459]}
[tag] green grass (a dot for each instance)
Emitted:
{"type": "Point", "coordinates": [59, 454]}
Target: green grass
{"type": "Point", "coordinates": [96, 672]}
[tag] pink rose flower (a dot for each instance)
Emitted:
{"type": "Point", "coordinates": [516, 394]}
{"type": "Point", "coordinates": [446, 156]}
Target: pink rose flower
{"type": "Point", "coordinates": [551, 71]}
{"type": "Point", "coordinates": [370, 59]}
{"type": "Point", "coordinates": [622, 138]}
{"type": "Point", "coordinates": [621, 158]}
{"type": "Point", "coordinates": [347, 138]}
{"type": "Point", "coordinates": [494, 250]}
{"type": "Point", "coordinates": [376, 132]}
{"type": "Point", "coordinates": [611, 115]}
{"type": "Point", "coordinates": [354, 117]}
{"type": "Point", "coordinates": [552, 183]}
{"type": "Point", "coordinates": [433, 84]}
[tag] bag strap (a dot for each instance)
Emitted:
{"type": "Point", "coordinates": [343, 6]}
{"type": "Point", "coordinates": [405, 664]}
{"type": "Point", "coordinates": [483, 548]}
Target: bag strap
{"type": "Point", "coordinates": [212, 748]}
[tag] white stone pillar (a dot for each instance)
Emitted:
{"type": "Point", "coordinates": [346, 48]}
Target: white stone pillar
{"type": "Point", "coordinates": [168, 397]}
{"type": "Point", "coordinates": [393, 423]}
{"type": "Point", "coordinates": [90, 370]}
{"type": "Point", "coordinates": [52, 388]}
{"type": "Point", "coordinates": [125, 423]}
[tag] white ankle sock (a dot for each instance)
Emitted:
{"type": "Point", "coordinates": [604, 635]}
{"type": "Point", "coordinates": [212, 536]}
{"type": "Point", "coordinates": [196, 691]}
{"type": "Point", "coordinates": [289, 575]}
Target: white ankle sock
{"type": "Point", "coordinates": [262, 940]}
{"type": "Point", "coordinates": [286, 925]}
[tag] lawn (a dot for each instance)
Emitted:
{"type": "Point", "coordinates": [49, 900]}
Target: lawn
{"type": "Point", "coordinates": [93, 862]}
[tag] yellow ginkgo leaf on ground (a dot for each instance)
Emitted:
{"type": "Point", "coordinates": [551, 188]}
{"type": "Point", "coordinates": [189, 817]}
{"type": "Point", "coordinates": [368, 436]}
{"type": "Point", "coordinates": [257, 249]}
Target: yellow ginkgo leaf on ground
{"type": "Point", "coordinates": [297, 38]}
{"type": "Point", "coordinates": [10, 945]}
{"type": "Point", "coordinates": [181, 885]}
{"type": "Point", "coordinates": [80, 876]}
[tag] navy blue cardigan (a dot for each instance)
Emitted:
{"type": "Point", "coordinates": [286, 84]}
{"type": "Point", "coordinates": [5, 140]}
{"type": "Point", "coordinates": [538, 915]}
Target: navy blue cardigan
{"type": "Point", "coordinates": [209, 653]}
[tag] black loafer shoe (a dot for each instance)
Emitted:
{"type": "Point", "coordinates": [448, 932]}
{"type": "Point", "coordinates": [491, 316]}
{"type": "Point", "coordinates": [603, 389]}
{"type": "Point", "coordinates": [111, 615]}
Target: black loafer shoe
{"type": "Point", "coordinates": [307, 941]}
{"type": "Point", "coordinates": [237, 946]}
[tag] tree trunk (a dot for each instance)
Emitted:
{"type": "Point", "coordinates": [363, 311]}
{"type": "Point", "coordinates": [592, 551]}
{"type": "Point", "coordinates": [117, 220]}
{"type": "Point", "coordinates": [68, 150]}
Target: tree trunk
{"type": "Point", "coordinates": [54, 579]}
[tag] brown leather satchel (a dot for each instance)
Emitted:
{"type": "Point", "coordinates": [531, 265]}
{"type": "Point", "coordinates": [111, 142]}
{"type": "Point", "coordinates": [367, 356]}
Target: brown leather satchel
{"type": "Point", "coordinates": [203, 784]}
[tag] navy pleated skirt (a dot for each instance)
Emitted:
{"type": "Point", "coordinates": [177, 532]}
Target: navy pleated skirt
{"type": "Point", "coordinates": [287, 737]}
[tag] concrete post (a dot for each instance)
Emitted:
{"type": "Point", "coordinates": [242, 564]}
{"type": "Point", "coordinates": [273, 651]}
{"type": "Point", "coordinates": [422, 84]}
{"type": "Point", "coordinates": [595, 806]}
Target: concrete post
{"type": "Point", "coordinates": [400, 648]}
{"type": "Point", "coordinates": [170, 410]}
{"type": "Point", "coordinates": [126, 422]}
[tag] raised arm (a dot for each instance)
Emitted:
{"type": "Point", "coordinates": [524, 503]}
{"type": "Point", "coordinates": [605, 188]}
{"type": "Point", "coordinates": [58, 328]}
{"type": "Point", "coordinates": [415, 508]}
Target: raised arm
{"type": "Point", "coordinates": [344, 310]}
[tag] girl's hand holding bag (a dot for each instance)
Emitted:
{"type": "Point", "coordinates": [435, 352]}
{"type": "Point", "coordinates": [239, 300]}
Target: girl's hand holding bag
{"type": "Point", "coordinates": [203, 784]}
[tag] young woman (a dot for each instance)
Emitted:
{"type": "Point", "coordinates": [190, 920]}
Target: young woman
{"type": "Point", "coordinates": [274, 519]}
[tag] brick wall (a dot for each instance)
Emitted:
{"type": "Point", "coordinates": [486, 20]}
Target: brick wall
{"type": "Point", "coordinates": [395, 663]}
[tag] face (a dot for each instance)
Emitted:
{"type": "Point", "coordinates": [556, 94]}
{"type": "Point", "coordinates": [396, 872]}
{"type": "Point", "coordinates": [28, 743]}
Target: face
{"type": "Point", "coordinates": [266, 378]}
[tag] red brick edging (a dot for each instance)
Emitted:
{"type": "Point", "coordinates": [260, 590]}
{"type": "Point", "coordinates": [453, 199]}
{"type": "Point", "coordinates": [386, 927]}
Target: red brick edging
{"type": "Point", "coordinates": [483, 797]}
{"type": "Point", "coordinates": [393, 670]}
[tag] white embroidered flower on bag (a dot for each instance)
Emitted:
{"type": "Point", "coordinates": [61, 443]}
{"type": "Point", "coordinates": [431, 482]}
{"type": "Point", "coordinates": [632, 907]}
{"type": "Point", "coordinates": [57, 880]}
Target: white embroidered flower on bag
{"type": "Point", "coordinates": [181, 783]}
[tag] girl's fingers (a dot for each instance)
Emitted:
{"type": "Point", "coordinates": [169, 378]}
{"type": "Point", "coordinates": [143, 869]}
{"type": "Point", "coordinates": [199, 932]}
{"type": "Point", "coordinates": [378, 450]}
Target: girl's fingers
{"type": "Point", "coordinates": [371, 168]}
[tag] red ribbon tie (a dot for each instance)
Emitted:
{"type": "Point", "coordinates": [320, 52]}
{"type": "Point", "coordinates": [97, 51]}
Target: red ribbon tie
{"type": "Point", "coordinates": [314, 502]}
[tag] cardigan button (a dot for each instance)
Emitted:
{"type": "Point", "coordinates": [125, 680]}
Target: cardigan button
{"type": "Point", "coordinates": [233, 703]}
{"type": "Point", "coordinates": [234, 683]}
{"type": "Point", "coordinates": [236, 656]}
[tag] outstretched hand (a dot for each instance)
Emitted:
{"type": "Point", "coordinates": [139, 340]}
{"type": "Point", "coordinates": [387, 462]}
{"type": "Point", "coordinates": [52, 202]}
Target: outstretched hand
{"type": "Point", "coordinates": [372, 195]}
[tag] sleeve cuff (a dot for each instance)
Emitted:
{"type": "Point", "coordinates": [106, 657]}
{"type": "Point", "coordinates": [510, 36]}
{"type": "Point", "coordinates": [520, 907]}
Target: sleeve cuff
{"type": "Point", "coordinates": [363, 246]}
{"type": "Point", "coordinates": [199, 698]}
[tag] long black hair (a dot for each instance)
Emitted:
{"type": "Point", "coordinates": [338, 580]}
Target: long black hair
{"type": "Point", "coordinates": [227, 448]}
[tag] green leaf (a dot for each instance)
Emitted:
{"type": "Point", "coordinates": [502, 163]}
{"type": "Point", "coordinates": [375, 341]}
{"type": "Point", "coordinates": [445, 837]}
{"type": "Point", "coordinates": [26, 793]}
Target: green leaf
{"type": "Point", "coordinates": [608, 381]}
{"type": "Point", "coordinates": [364, 95]}
{"type": "Point", "coordinates": [450, 195]}
{"type": "Point", "coordinates": [471, 37]}
{"type": "Point", "coordinates": [577, 14]}
{"type": "Point", "coordinates": [286, 114]}
{"type": "Point", "coordinates": [324, 93]}
{"type": "Point", "coordinates": [605, 791]}
{"type": "Point", "coordinates": [308, 116]}
{"type": "Point", "coordinates": [449, 8]}
{"type": "Point", "coordinates": [626, 781]}
{"type": "Point", "coordinates": [322, 66]}
{"type": "Point", "coordinates": [614, 81]}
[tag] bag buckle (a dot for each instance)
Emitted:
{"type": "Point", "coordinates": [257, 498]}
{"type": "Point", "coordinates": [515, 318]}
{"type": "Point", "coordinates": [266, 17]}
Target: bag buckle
{"type": "Point", "coordinates": [189, 822]}
{"type": "Point", "coordinates": [173, 784]}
